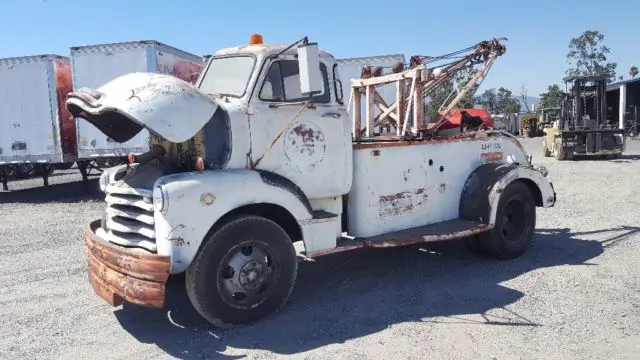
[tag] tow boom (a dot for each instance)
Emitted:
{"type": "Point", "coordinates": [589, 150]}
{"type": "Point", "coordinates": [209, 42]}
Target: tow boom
{"type": "Point", "coordinates": [413, 85]}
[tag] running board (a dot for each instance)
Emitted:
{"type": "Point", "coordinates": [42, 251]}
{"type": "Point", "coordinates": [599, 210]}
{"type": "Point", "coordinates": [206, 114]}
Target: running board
{"type": "Point", "coordinates": [446, 230]}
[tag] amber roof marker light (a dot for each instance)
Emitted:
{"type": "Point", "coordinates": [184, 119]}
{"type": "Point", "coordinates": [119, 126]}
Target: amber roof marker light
{"type": "Point", "coordinates": [255, 39]}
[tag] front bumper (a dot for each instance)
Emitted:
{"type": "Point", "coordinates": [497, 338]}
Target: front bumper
{"type": "Point", "coordinates": [119, 274]}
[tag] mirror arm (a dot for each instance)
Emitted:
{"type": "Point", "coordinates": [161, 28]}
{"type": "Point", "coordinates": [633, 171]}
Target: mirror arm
{"type": "Point", "coordinates": [304, 41]}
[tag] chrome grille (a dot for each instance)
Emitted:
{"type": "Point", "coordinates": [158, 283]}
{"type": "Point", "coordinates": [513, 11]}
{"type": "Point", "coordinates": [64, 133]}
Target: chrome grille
{"type": "Point", "coordinates": [129, 217]}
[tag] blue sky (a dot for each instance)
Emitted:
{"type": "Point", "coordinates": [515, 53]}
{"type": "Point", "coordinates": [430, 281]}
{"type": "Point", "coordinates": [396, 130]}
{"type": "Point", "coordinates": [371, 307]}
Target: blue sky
{"type": "Point", "coordinates": [538, 32]}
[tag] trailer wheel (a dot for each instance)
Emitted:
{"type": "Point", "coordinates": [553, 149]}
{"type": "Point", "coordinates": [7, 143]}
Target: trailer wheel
{"type": "Point", "coordinates": [64, 166]}
{"type": "Point", "coordinates": [515, 223]}
{"type": "Point", "coordinates": [245, 270]}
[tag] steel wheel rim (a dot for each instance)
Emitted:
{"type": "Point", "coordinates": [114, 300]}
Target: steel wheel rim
{"type": "Point", "coordinates": [246, 274]}
{"type": "Point", "coordinates": [514, 222]}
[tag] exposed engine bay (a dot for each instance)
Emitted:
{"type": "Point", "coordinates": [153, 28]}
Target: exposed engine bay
{"type": "Point", "coordinates": [163, 158]}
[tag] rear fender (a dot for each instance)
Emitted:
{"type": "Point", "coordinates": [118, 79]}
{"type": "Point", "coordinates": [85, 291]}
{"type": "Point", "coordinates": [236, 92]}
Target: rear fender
{"type": "Point", "coordinates": [197, 201]}
{"type": "Point", "coordinates": [482, 190]}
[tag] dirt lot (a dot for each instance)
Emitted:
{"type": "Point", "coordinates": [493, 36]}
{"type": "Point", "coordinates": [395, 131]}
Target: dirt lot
{"type": "Point", "coordinates": [574, 295]}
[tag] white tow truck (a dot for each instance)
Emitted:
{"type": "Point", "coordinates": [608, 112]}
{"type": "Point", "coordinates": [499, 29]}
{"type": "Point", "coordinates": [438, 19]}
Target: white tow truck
{"type": "Point", "coordinates": [261, 152]}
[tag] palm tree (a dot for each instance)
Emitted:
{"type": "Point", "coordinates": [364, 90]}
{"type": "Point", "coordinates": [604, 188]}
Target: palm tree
{"type": "Point", "coordinates": [633, 71]}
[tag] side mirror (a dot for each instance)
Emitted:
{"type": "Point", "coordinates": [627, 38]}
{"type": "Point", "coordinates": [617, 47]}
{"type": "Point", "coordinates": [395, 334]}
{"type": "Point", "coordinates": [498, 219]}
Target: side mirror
{"type": "Point", "coordinates": [309, 67]}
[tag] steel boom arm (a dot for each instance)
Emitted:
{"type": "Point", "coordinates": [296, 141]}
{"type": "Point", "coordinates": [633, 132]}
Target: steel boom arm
{"type": "Point", "coordinates": [413, 85]}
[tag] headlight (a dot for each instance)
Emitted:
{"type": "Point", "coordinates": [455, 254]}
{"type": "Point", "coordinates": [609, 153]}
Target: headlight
{"type": "Point", "coordinates": [160, 199]}
{"type": "Point", "coordinates": [103, 181]}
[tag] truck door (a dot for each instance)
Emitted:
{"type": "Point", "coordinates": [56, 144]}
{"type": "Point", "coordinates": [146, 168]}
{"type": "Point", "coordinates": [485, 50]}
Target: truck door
{"type": "Point", "coordinates": [310, 146]}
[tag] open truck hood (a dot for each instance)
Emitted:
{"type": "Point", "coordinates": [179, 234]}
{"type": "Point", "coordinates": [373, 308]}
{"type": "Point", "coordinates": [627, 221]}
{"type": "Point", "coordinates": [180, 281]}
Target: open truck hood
{"type": "Point", "coordinates": [163, 104]}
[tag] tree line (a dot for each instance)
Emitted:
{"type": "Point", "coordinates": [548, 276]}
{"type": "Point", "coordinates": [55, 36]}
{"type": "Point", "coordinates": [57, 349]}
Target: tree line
{"type": "Point", "coordinates": [587, 56]}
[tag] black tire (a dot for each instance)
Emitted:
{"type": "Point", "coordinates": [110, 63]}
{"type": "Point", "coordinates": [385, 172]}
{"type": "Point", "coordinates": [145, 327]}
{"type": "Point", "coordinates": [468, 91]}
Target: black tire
{"type": "Point", "coordinates": [475, 245]}
{"type": "Point", "coordinates": [560, 154]}
{"type": "Point", "coordinates": [545, 150]}
{"type": "Point", "coordinates": [64, 166]}
{"type": "Point", "coordinates": [45, 170]}
{"type": "Point", "coordinates": [515, 223]}
{"type": "Point", "coordinates": [228, 295]}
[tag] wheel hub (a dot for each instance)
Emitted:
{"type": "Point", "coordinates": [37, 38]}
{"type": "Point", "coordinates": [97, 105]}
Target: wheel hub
{"type": "Point", "coordinates": [513, 222]}
{"type": "Point", "coordinates": [245, 275]}
{"type": "Point", "coordinates": [251, 275]}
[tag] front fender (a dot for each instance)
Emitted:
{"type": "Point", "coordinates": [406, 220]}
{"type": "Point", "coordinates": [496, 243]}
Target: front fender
{"type": "Point", "coordinates": [482, 190]}
{"type": "Point", "coordinates": [196, 201]}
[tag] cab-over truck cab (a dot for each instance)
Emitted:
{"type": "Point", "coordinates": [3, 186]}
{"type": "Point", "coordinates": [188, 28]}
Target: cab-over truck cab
{"type": "Point", "coordinates": [259, 154]}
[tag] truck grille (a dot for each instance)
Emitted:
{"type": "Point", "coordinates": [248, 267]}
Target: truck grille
{"type": "Point", "coordinates": [129, 218]}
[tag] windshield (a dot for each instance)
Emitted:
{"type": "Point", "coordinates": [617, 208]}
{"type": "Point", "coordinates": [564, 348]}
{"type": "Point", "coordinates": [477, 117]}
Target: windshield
{"type": "Point", "coordinates": [228, 75]}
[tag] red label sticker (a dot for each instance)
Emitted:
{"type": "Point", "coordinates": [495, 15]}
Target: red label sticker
{"type": "Point", "coordinates": [494, 156]}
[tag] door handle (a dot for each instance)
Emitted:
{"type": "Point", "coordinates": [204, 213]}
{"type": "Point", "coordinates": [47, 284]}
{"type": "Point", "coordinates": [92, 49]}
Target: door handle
{"type": "Point", "coordinates": [332, 114]}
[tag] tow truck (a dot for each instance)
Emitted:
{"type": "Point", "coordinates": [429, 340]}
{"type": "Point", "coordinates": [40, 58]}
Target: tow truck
{"type": "Point", "coordinates": [262, 153]}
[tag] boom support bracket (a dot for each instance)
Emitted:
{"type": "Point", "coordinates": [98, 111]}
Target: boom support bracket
{"type": "Point", "coordinates": [405, 116]}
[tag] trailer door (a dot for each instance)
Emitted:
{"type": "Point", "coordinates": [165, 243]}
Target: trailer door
{"type": "Point", "coordinates": [27, 116]}
{"type": "Point", "coordinates": [96, 65]}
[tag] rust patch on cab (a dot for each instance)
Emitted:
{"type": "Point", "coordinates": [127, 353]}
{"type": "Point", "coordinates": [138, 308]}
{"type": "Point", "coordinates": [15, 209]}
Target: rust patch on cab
{"type": "Point", "coordinates": [305, 146]}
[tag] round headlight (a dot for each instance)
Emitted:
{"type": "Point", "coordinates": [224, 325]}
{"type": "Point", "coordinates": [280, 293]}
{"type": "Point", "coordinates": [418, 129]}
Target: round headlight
{"type": "Point", "coordinates": [160, 199]}
{"type": "Point", "coordinates": [103, 181]}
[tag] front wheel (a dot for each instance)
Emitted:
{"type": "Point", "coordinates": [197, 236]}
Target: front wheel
{"type": "Point", "coordinates": [545, 150]}
{"type": "Point", "coordinates": [559, 153]}
{"type": "Point", "coordinates": [515, 223]}
{"type": "Point", "coordinates": [244, 271]}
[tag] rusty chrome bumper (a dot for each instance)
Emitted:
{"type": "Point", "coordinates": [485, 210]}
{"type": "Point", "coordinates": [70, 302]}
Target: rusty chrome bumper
{"type": "Point", "coordinates": [119, 274]}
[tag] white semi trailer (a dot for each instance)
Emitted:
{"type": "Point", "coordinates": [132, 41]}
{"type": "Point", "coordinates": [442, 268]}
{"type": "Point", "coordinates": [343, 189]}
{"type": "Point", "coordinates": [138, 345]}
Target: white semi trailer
{"type": "Point", "coordinates": [37, 133]}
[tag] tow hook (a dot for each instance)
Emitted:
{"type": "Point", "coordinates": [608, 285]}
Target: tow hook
{"type": "Point", "coordinates": [543, 170]}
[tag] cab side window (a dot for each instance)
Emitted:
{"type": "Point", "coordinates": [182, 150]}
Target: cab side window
{"type": "Point", "coordinates": [282, 83]}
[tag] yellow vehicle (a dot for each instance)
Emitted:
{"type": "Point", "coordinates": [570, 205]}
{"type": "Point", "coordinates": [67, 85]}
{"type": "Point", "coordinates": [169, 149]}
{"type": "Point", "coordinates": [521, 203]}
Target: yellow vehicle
{"type": "Point", "coordinates": [528, 124]}
{"type": "Point", "coordinates": [550, 142]}
{"type": "Point", "coordinates": [583, 127]}
{"type": "Point", "coordinates": [533, 124]}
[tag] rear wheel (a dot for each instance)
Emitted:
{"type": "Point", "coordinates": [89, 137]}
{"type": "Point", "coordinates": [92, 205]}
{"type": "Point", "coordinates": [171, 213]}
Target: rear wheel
{"type": "Point", "coordinates": [474, 244]}
{"type": "Point", "coordinates": [515, 223]}
{"type": "Point", "coordinates": [244, 271]}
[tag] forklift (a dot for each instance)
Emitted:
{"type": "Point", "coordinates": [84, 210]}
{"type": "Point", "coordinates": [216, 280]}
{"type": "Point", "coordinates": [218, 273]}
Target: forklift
{"type": "Point", "coordinates": [582, 128]}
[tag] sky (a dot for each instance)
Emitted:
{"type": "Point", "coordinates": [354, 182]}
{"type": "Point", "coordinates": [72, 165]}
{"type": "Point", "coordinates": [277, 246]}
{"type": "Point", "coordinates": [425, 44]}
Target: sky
{"type": "Point", "coordinates": [538, 32]}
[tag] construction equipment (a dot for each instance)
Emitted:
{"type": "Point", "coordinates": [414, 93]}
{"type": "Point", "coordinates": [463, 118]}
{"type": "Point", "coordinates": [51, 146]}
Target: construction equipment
{"type": "Point", "coordinates": [528, 124]}
{"type": "Point", "coordinates": [261, 153]}
{"type": "Point", "coordinates": [546, 118]}
{"type": "Point", "coordinates": [533, 123]}
{"type": "Point", "coordinates": [582, 128]}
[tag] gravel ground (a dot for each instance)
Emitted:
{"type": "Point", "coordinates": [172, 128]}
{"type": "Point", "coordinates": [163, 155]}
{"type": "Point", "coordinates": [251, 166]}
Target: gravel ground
{"type": "Point", "coordinates": [574, 295]}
